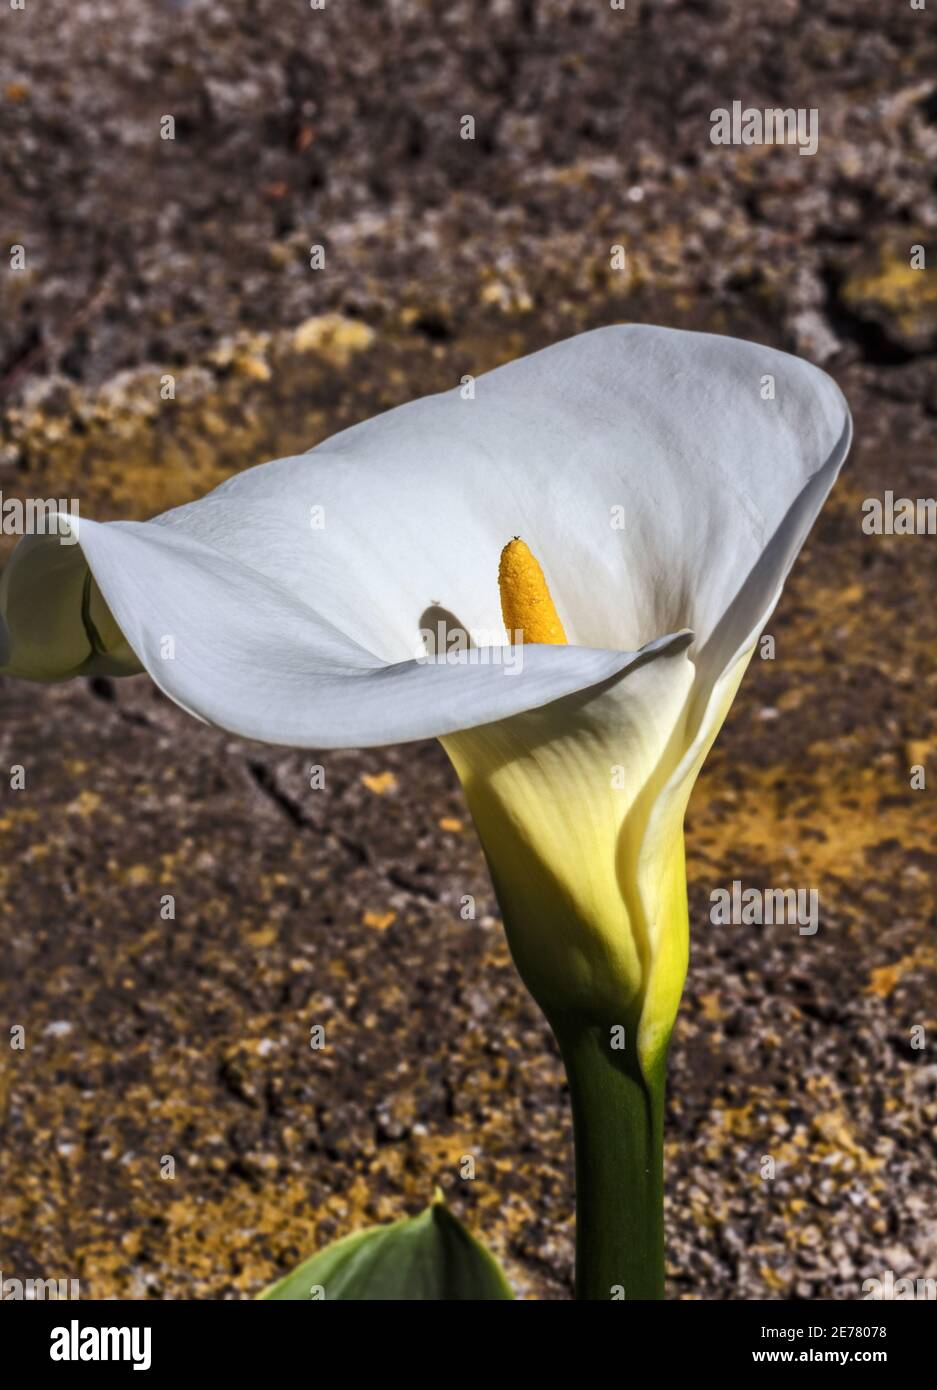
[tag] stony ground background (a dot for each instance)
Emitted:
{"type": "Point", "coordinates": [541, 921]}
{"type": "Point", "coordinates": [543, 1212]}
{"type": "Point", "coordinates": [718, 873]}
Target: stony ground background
{"type": "Point", "coordinates": [340, 127]}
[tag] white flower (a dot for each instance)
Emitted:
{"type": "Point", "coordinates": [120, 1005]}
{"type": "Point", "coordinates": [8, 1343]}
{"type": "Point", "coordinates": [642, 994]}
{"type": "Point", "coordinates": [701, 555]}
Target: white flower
{"type": "Point", "coordinates": [664, 480]}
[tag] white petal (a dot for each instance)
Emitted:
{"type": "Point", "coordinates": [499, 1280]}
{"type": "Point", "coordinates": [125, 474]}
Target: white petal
{"type": "Point", "coordinates": [299, 634]}
{"type": "Point", "coordinates": [236, 649]}
{"type": "Point", "coordinates": [418, 503]}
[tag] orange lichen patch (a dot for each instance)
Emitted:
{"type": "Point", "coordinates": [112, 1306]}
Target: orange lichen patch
{"type": "Point", "coordinates": [380, 921]}
{"type": "Point", "coordinates": [709, 1007]}
{"type": "Point", "coordinates": [379, 782]}
{"type": "Point", "coordinates": [498, 954]}
{"type": "Point", "coordinates": [918, 750]}
{"type": "Point", "coordinates": [444, 1152]}
{"type": "Point", "coordinates": [773, 1279]}
{"type": "Point", "coordinates": [451, 824]}
{"type": "Point", "coordinates": [33, 853]}
{"type": "Point", "coordinates": [791, 699]}
{"type": "Point", "coordinates": [264, 936]}
{"type": "Point", "coordinates": [334, 337]}
{"type": "Point", "coordinates": [510, 298]}
{"type": "Point", "coordinates": [835, 1130]}
{"type": "Point", "coordinates": [739, 1121]}
{"type": "Point", "coordinates": [885, 979]}
{"type": "Point", "coordinates": [837, 795]}
{"type": "Point", "coordinates": [907, 292]}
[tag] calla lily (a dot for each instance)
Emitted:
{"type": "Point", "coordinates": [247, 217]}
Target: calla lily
{"type": "Point", "coordinates": [665, 482]}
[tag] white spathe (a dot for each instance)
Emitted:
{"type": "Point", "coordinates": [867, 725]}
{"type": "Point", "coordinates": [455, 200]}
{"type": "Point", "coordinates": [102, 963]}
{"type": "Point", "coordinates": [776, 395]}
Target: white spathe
{"type": "Point", "coordinates": [286, 606]}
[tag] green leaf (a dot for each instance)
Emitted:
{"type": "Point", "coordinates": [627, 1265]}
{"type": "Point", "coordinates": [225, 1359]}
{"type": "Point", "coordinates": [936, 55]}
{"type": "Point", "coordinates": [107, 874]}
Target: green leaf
{"type": "Point", "coordinates": [431, 1257]}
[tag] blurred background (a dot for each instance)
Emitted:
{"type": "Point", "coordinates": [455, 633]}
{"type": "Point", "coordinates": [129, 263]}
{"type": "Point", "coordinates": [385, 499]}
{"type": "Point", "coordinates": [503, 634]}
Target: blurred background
{"type": "Point", "coordinates": [190, 257]}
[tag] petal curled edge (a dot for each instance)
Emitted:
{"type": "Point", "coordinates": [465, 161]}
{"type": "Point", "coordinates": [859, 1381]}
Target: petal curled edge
{"type": "Point", "coordinates": [240, 651]}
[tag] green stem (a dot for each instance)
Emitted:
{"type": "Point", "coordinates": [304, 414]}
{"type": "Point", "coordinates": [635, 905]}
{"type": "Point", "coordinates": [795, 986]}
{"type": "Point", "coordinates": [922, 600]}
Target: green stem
{"type": "Point", "coordinates": [618, 1125]}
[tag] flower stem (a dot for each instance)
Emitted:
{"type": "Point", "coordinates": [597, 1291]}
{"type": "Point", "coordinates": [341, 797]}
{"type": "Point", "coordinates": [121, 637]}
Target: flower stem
{"type": "Point", "coordinates": [618, 1126]}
